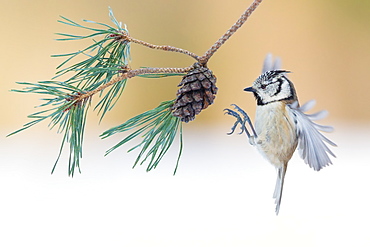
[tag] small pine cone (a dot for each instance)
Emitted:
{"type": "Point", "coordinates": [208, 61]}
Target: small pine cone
{"type": "Point", "coordinates": [197, 91]}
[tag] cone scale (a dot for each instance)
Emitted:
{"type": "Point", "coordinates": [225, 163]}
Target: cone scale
{"type": "Point", "coordinates": [197, 91]}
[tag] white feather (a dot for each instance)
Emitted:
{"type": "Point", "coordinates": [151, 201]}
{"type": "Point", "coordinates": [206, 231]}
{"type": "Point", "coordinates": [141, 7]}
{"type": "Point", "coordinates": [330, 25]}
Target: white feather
{"type": "Point", "coordinates": [318, 115]}
{"type": "Point", "coordinates": [311, 143]}
{"type": "Point", "coordinates": [269, 63]}
{"type": "Point", "coordinates": [278, 192]}
{"type": "Point", "coordinates": [306, 106]}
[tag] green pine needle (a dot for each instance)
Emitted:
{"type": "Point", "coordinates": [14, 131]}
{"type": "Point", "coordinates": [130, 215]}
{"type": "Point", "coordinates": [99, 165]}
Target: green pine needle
{"type": "Point", "coordinates": [158, 128]}
{"type": "Point", "coordinates": [103, 60]}
{"type": "Point", "coordinates": [73, 128]}
{"type": "Point", "coordinates": [64, 112]}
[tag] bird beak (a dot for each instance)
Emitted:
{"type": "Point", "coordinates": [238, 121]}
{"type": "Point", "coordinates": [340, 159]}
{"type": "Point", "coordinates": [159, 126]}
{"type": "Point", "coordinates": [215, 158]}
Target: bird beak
{"type": "Point", "coordinates": [250, 89]}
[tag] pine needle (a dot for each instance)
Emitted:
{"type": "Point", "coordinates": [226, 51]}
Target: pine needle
{"type": "Point", "coordinates": [157, 128]}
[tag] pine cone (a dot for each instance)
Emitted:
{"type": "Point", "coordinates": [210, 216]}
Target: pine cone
{"type": "Point", "coordinates": [197, 92]}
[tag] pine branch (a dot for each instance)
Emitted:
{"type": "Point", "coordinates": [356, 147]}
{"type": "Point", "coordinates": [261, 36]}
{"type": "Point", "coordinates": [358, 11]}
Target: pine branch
{"type": "Point", "coordinates": [243, 18]}
{"type": "Point", "coordinates": [68, 114]}
{"type": "Point", "coordinates": [104, 71]}
{"type": "Point", "coordinates": [155, 72]}
{"type": "Point", "coordinates": [128, 38]}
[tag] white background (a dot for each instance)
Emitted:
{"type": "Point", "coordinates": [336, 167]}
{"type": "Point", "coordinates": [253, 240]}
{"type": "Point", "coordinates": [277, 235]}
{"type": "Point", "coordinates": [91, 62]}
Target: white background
{"type": "Point", "coordinates": [221, 195]}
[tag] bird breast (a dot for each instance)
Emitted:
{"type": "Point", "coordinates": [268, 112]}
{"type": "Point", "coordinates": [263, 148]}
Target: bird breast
{"type": "Point", "coordinates": [276, 133]}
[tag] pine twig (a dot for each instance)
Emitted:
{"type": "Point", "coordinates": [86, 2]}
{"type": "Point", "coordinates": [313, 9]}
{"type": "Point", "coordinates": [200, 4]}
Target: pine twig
{"type": "Point", "coordinates": [106, 66]}
{"type": "Point", "coordinates": [161, 47]}
{"type": "Point", "coordinates": [243, 18]}
{"type": "Point", "coordinates": [125, 37]}
{"type": "Point", "coordinates": [129, 74]}
{"type": "Point", "coordinates": [212, 50]}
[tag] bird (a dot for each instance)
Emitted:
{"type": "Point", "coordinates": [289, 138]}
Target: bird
{"type": "Point", "coordinates": [281, 124]}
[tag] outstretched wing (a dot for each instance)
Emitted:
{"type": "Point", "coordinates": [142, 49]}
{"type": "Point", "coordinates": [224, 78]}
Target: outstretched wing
{"type": "Point", "coordinates": [311, 143]}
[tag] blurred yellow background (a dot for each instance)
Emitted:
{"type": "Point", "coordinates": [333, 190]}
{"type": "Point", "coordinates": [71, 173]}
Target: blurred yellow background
{"type": "Point", "coordinates": [324, 43]}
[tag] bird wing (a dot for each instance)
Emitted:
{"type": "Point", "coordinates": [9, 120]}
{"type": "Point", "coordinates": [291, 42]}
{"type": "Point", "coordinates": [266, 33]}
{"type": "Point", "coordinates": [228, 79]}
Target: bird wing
{"type": "Point", "coordinates": [269, 63]}
{"type": "Point", "coordinates": [311, 143]}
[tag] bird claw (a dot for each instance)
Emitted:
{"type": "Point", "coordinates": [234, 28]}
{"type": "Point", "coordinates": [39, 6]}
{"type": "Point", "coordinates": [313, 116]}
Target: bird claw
{"type": "Point", "coordinates": [242, 118]}
{"type": "Point", "coordinates": [238, 120]}
{"type": "Point", "coordinates": [245, 115]}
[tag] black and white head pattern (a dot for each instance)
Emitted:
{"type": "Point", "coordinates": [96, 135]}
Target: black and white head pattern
{"type": "Point", "coordinates": [273, 86]}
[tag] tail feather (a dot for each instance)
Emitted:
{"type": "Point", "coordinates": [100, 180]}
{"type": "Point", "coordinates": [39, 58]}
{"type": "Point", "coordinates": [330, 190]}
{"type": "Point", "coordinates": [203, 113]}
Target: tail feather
{"type": "Point", "coordinates": [278, 192]}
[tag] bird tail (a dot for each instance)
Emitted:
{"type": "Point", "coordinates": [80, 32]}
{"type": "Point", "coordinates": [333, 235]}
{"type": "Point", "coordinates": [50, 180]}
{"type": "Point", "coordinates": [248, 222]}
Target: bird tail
{"type": "Point", "coordinates": [278, 192]}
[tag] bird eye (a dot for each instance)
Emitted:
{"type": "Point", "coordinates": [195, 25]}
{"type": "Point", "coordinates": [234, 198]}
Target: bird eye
{"type": "Point", "coordinates": [263, 86]}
